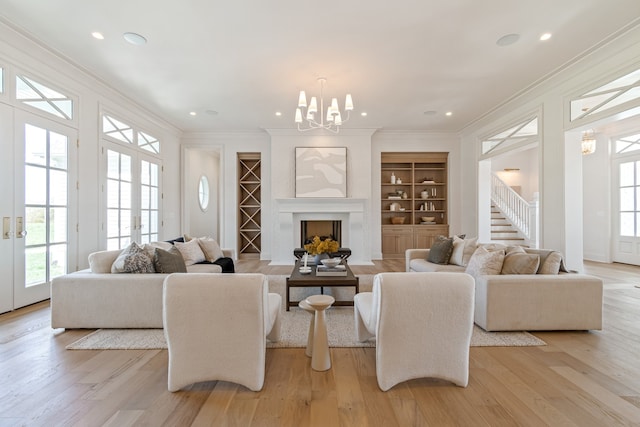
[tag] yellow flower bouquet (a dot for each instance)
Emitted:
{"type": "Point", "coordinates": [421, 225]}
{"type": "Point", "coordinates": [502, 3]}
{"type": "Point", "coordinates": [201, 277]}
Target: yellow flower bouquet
{"type": "Point", "coordinates": [318, 246]}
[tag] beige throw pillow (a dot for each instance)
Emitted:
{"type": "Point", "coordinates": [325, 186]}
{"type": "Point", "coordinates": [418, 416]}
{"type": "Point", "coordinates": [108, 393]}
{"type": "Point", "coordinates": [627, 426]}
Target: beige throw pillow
{"type": "Point", "coordinates": [462, 250]}
{"type": "Point", "coordinates": [520, 263]}
{"type": "Point", "coordinates": [211, 248]}
{"type": "Point", "coordinates": [551, 264]}
{"type": "Point", "coordinates": [485, 262]}
{"type": "Point", "coordinates": [191, 252]}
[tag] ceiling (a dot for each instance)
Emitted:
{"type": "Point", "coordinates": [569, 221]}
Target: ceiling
{"type": "Point", "coordinates": [235, 64]}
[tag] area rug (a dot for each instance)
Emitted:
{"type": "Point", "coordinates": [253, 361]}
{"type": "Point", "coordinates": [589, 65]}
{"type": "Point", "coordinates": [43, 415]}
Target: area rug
{"type": "Point", "coordinates": [295, 326]}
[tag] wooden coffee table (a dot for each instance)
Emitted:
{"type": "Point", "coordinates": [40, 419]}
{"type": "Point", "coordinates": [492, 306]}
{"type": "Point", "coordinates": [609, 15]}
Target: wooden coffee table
{"type": "Point", "coordinates": [297, 280]}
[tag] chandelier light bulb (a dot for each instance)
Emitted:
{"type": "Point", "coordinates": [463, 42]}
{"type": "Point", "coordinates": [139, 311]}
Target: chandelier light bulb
{"type": "Point", "coordinates": [302, 99]}
{"type": "Point", "coordinates": [313, 106]}
{"type": "Point", "coordinates": [348, 103]}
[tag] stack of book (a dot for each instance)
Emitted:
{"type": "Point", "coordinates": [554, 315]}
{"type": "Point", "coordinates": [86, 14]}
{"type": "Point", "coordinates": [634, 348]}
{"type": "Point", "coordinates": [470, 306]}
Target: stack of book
{"type": "Point", "coordinates": [339, 270]}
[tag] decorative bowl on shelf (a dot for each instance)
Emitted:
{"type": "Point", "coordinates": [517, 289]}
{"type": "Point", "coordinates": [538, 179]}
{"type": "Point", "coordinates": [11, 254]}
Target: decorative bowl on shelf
{"type": "Point", "coordinates": [428, 218]}
{"type": "Point", "coordinates": [397, 220]}
{"type": "Point", "coordinates": [331, 262]}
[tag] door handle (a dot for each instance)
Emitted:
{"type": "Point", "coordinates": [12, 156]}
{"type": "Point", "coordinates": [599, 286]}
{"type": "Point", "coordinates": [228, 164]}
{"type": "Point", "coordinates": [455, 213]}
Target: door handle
{"type": "Point", "coordinates": [20, 231]}
{"type": "Point", "coordinates": [6, 228]}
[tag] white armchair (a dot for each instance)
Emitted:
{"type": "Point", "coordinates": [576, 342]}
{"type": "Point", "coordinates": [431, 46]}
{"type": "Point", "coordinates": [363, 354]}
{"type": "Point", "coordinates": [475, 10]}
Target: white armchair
{"type": "Point", "coordinates": [216, 326]}
{"type": "Point", "coordinates": [422, 323]}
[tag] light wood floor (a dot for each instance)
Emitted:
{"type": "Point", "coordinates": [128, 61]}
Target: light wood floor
{"type": "Point", "coordinates": [579, 378]}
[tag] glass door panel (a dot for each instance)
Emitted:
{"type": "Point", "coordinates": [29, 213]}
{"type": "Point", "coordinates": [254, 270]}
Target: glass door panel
{"type": "Point", "coordinates": [43, 194]}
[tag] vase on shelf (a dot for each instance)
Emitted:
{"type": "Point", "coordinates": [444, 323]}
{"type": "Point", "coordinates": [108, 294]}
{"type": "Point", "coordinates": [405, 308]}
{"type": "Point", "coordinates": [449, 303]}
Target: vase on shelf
{"type": "Point", "coordinates": [319, 257]}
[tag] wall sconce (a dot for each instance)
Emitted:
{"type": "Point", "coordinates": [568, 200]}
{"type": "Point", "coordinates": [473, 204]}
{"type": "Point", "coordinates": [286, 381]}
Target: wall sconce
{"type": "Point", "coordinates": [588, 142]}
{"type": "Point", "coordinates": [511, 169]}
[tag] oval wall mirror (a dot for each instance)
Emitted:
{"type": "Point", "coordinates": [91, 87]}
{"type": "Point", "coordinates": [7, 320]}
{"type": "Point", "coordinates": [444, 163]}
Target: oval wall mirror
{"type": "Point", "coordinates": [203, 192]}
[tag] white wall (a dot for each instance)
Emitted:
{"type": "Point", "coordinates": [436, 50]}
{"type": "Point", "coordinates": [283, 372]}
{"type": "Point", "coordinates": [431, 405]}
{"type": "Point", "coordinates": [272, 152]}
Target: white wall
{"type": "Point", "coordinates": [198, 163]}
{"type": "Point", "coordinates": [526, 177]}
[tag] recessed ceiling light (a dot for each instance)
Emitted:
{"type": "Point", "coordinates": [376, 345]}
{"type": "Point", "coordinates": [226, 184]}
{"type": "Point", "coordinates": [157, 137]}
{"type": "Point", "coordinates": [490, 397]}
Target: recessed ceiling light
{"type": "Point", "coordinates": [97, 35]}
{"type": "Point", "coordinates": [134, 38]}
{"type": "Point", "coordinates": [363, 114]}
{"type": "Point", "coordinates": [193, 113]}
{"type": "Point", "coordinates": [545, 37]}
{"type": "Point", "coordinates": [278, 113]}
{"type": "Point", "coordinates": [448, 113]}
{"type": "Point", "coordinates": [508, 39]}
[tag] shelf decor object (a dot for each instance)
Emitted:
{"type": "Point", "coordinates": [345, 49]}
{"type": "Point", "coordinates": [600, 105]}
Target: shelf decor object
{"type": "Point", "coordinates": [321, 172]}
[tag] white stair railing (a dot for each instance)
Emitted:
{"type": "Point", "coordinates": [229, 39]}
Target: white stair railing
{"type": "Point", "coordinates": [522, 214]}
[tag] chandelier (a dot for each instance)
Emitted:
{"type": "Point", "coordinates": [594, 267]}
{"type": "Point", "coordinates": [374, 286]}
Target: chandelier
{"type": "Point", "coordinates": [332, 121]}
{"type": "Point", "coordinates": [588, 142]}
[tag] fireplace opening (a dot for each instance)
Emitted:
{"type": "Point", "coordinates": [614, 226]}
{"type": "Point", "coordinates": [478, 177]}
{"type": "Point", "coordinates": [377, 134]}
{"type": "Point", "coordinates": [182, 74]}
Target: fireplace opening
{"type": "Point", "coordinates": [321, 228]}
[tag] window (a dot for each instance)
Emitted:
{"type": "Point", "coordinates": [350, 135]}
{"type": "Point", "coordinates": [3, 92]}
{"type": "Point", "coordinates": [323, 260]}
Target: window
{"type": "Point", "coordinates": [203, 192]}
{"type": "Point", "coordinates": [627, 144]}
{"type": "Point", "coordinates": [612, 94]}
{"type": "Point", "coordinates": [629, 193]}
{"type": "Point", "coordinates": [116, 129]}
{"type": "Point", "coordinates": [521, 132]}
{"type": "Point", "coordinates": [37, 95]}
{"type": "Point", "coordinates": [46, 203]}
{"type": "Point", "coordinates": [132, 199]}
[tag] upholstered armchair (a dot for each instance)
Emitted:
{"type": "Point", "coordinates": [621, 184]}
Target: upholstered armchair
{"type": "Point", "coordinates": [216, 326]}
{"type": "Point", "coordinates": [422, 323]}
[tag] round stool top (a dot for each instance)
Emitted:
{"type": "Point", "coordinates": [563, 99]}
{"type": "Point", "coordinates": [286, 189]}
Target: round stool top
{"type": "Point", "coordinates": [306, 306]}
{"type": "Point", "coordinates": [320, 302]}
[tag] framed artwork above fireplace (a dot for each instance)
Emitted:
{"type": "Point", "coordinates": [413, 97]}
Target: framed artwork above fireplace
{"type": "Point", "coordinates": [321, 172]}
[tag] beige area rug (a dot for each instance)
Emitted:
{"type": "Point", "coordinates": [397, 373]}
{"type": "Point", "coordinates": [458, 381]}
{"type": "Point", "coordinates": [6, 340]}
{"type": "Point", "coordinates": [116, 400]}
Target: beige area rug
{"type": "Point", "coordinates": [295, 326]}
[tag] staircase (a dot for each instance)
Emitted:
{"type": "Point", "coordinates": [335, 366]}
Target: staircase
{"type": "Point", "coordinates": [502, 231]}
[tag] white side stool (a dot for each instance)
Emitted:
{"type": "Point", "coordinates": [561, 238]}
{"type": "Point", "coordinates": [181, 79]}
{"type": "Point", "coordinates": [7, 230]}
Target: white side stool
{"type": "Point", "coordinates": [320, 357]}
{"type": "Point", "coordinates": [305, 306]}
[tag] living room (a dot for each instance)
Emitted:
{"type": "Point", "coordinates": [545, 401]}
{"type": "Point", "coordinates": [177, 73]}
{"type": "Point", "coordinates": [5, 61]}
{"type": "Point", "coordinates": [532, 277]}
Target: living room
{"type": "Point", "coordinates": [575, 190]}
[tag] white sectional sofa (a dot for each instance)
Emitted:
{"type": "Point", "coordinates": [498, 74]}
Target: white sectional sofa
{"type": "Point", "coordinates": [528, 302]}
{"type": "Point", "coordinates": [96, 298]}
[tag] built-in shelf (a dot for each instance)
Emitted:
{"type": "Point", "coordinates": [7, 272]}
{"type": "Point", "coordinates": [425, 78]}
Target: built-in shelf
{"type": "Point", "coordinates": [423, 193]}
{"type": "Point", "coordinates": [249, 205]}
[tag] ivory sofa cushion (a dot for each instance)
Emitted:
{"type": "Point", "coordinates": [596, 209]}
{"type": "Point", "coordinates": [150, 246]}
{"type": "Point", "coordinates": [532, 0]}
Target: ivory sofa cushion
{"type": "Point", "coordinates": [210, 248]}
{"type": "Point", "coordinates": [462, 250]}
{"type": "Point", "coordinates": [100, 262]}
{"type": "Point", "coordinates": [133, 259]}
{"type": "Point", "coordinates": [485, 262]}
{"type": "Point", "coordinates": [191, 252]}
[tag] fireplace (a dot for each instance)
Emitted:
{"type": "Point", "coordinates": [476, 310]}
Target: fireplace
{"type": "Point", "coordinates": [322, 228]}
{"type": "Point", "coordinates": [349, 212]}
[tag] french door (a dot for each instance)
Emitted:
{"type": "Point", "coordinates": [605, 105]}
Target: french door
{"type": "Point", "coordinates": [626, 195]}
{"type": "Point", "coordinates": [39, 237]}
{"type": "Point", "coordinates": [131, 196]}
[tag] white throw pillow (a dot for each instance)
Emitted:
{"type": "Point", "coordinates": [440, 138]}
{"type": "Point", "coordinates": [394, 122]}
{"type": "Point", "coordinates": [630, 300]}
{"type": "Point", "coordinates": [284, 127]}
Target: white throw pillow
{"type": "Point", "coordinates": [211, 248]}
{"type": "Point", "coordinates": [462, 250]}
{"type": "Point", "coordinates": [485, 262]}
{"type": "Point", "coordinates": [191, 252]}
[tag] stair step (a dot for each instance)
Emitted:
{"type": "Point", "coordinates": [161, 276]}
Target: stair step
{"type": "Point", "coordinates": [501, 227]}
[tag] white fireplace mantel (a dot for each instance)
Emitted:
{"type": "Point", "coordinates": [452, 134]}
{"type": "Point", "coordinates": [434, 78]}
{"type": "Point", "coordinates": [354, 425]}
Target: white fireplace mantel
{"type": "Point", "coordinates": [289, 213]}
